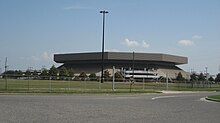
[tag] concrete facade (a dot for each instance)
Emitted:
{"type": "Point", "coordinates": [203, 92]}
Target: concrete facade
{"type": "Point", "coordinates": [91, 62]}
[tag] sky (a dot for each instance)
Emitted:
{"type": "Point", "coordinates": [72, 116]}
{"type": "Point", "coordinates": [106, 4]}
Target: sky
{"type": "Point", "coordinates": [32, 31]}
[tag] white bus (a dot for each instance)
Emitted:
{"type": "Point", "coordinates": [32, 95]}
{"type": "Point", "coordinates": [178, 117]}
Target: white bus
{"type": "Point", "coordinates": [139, 74]}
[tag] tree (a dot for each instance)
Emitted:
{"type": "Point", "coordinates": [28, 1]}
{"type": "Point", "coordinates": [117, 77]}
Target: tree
{"type": "Point", "coordinates": [44, 74]}
{"type": "Point", "coordinates": [35, 73]}
{"type": "Point", "coordinates": [71, 72]}
{"type": "Point", "coordinates": [106, 74]}
{"type": "Point", "coordinates": [201, 77]}
{"type": "Point", "coordinates": [211, 79]}
{"type": "Point", "coordinates": [18, 72]}
{"type": "Point", "coordinates": [28, 73]}
{"type": "Point", "coordinates": [9, 73]}
{"type": "Point", "coordinates": [193, 77]}
{"type": "Point", "coordinates": [217, 79]}
{"type": "Point", "coordinates": [118, 76]}
{"type": "Point", "coordinates": [83, 76]}
{"type": "Point", "coordinates": [53, 71]}
{"type": "Point", "coordinates": [63, 72]}
{"type": "Point", "coordinates": [92, 76]}
{"type": "Point", "coordinates": [180, 77]}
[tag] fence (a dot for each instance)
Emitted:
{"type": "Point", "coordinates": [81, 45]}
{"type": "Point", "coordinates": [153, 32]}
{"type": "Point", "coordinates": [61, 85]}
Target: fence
{"type": "Point", "coordinates": [83, 84]}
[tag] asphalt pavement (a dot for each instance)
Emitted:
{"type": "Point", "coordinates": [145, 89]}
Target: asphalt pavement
{"type": "Point", "coordinates": [104, 108]}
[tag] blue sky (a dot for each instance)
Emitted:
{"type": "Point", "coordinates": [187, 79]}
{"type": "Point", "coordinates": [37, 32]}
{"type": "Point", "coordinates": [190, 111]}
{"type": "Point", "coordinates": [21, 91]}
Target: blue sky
{"type": "Point", "coordinates": [31, 31]}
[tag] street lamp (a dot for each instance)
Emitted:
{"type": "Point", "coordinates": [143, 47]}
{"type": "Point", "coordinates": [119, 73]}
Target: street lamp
{"type": "Point", "coordinates": [103, 12]}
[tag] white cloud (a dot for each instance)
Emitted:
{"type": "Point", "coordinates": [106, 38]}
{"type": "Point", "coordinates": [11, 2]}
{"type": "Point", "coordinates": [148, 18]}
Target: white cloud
{"type": "Point", "coordinates": [130, 43]}
{"type": "Point", "coordinates": [186, 43]}
{"type": "Point", "coordinates": [145, 44]}
{"type": "Point", "coordinates": [46, 56]}
{"type": "Point", "coordinates": [196, 37]}
{"type": "Point", "coordinates": [190, 42]}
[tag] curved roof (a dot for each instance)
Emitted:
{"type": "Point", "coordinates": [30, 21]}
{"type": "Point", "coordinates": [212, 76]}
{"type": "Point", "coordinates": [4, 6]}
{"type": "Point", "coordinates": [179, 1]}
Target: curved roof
{"type": "Point", "coordinates": [120, 56]}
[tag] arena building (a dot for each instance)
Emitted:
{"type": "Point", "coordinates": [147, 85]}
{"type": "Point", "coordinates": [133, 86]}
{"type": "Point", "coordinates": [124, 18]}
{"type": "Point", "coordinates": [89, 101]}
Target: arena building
{"type": "Point", "coordinates": [146, 65]}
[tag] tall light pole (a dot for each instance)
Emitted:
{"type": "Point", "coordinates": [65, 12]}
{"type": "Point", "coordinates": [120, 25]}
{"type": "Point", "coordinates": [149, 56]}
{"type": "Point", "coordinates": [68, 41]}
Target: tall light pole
{"type": "Point", "coordinates": [6, 60]}
{"type": "Point", "coordinates": [103, 12]}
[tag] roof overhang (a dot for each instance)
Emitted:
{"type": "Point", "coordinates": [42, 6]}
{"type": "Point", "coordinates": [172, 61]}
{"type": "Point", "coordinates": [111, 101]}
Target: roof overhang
{"type": "Point", "coordinates": [120, 56]}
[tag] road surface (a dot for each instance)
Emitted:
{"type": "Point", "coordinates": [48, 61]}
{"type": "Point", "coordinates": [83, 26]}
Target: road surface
{"type": "Point", "coordinates": [103, 108]}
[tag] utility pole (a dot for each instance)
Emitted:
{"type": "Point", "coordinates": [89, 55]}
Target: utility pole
{"type": "Point", "coordinates": [133, 66]}
{"type": "Point", "coordinates": [167, 76]}
{"type": "Point", "coordinates": [132, 81]}
{"type": "Point", "coordinates": [6, 82]}
{"type": "Point", "coordinates": [103, 12]}
{"type": "Point", "coordinates": [6, 60]}
{"type": "Point", "coordinates": [113, 78]}
{"type": "Point", "coordinates": [0, 69]}
{"type": "Point", "coordinates": [206, 72]}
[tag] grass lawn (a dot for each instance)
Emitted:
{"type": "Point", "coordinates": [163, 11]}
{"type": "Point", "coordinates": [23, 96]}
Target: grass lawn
{"type": "Point", "coordinates": [60, 86]}
{"type": "Point", "coordinates": [214, 98]}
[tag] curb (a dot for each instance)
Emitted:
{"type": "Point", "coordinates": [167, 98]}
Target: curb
{"type": "Point", "coordinates": [211, 99]}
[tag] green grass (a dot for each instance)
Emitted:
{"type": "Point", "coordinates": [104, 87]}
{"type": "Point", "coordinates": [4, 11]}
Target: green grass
{"type": "Point", "coordinates": [214, 98]}
{"type": "Point", "coordinates": [79, 91]}
{"type": "Point", "coordinates": [59, 86]}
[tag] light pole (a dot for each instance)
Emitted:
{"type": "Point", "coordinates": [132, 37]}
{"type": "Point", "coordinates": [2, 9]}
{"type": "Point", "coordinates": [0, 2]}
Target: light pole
{"type": "Point", "coordinates": [103, 12]}
{"type": "Point", "coordinates": [0, 69]}
{"type": "Point", "coordinates": [206, 72]}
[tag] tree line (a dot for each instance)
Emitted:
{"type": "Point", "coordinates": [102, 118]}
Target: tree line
{"type": "Point", "coordinates": [64, 73]}
{"type": "Point", "coordinates": [59, 74]}
{"type": "Point", "coordinates": [201, 77]}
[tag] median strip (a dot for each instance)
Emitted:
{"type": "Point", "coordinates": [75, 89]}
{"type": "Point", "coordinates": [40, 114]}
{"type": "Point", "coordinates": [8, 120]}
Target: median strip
{"type": "Point", "coordinates": [215, 98]}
